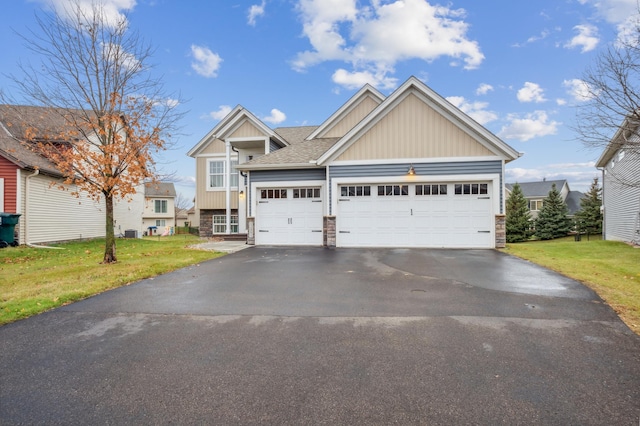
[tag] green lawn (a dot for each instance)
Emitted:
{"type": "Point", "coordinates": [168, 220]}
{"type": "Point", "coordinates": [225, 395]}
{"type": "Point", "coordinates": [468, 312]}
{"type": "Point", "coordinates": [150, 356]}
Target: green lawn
{"type": "Point", "coordinates": [33, 280]}
{"type": "Point", "coordinates": [611, 269]}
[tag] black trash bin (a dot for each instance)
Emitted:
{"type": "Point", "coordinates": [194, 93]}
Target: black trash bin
{"type": "Point", "coordinates": [8, 222]}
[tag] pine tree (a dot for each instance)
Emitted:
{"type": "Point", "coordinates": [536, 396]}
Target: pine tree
{"type": "Point", "coordinates": [552, 221]}
{"type": "Point", "coordinates": [518, 216]}
{"type": "Point", "coordinates": [589, 218]}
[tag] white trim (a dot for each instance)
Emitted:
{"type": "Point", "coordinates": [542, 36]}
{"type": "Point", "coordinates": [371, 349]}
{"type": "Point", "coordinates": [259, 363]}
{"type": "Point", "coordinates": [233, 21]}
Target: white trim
{"type": "Point", "coordinates": [286, 184]}
{"type": "Point", "coordinates": [494, 178]}
{"type": "Point", "coordinates": [281, 166]}
{"type": "Point", "coordinates": [453, 114]}
{"type": "Point", "coordinates": [414, 161]}
{"type": "Point", "coordinates": [366, 91]}
{"type": "Point", "coordinates": [1, 194]}
{"type": "Point", "coordinates": [225, 184]}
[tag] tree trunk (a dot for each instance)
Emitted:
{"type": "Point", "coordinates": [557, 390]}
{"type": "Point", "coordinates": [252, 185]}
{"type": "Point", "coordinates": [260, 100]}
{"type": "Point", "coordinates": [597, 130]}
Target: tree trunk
{"type": "Point", "coordinates": [110, 239]}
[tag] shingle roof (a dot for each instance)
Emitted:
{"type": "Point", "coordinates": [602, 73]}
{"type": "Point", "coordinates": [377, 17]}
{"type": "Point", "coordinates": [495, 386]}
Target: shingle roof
{"type": "Point", "coordinates": [14, 121]}
{"type": "Point", "coordinates": [537, 189]}
{"type": "Point", "coordinates": [302, 152]}
{"type": "Point", "coordinates": [160, 189]}
{"type": "Point", "coordinates": [573, 201]}
{"type": "Point", "coordinates": [294, 135]}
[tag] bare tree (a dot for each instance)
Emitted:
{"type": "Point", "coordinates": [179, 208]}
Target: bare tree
{"type": "Point", "coordinates": [611, 111]}
{"type": "Point", "coordinates": [94, 72]}
{"type": "Point", "coordinates": [182, 202]}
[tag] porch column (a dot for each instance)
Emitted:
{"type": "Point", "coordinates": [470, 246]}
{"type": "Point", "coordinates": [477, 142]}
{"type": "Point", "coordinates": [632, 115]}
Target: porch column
{"type": "Point", "coordinates": [227, 186]}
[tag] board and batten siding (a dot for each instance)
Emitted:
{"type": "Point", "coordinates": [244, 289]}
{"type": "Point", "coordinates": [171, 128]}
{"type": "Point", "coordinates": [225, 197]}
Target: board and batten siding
{"type": "Point", "coordinates": [421, 169]}
{"type": "Point", "coordinates": [413, 130]}
{"type": "Point", "coordinates": [210, 200]}
{"type": "Point", "coordinates": [353, 117]}
{"type": "Point", "coordinates": [622, 202]}
{"type": "Point", "coordinates": [56, 215]}
{"type": "Point", "coordinates": [247, 130]}
{"type": "Point", "coordinates": [9, 174]}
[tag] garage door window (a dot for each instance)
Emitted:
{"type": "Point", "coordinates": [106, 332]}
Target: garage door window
{"type": "Point", "coordinates": [392, 190]}
{"type": "Point", "coordinates": [306, 192]}
{"type": "Point", "coordinates": [355, 191]}
{"type": "Point", "coordinates": [267, 194]}
{"type": "Point", "coordinates": [435, 189]}
{"type": "Point", "coordinates": [471, 188]}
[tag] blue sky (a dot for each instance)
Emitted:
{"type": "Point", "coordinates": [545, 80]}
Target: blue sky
{"type": "Point", "coordinates": [514, 66]}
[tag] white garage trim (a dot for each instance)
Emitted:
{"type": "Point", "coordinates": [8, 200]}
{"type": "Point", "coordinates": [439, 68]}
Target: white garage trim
{"type": "Point", "coordinates": [494, 178]}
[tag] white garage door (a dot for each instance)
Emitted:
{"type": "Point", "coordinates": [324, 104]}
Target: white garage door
{"type": "Point", "coordinates": [289, 216]}
{"type": "Point", "coordinates": [451, 215]}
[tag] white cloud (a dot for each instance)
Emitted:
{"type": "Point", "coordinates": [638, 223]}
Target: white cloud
{"type": "Point", "coordinates": [357, 79]}
{"type": "Point", "coordinates": [205, 63]}
{"type": "Point", "coordinates": [483, 89]}
{"type": "Point", "coordinates": [587, 38]}
{"type": "Point", "coordinates": [222, 112]}
{"type": "Point", "coordinates": [533, 125]}
{"type": "Point", "coordinates": [255, 11]}
{"type": "Point", "coordinates": [579, 175]}
{"type": "Point", "coordinates": [374, 38]}
{"type": "Point", "coordinates": [621, 13]}
{"type": "Point", "coordinates": [475, 110]}
{"type": "Point", "coordinates": [578, 89]}
{"type": "Point", "coordinates": [111, 9]}
{"type": "Point", "coordinates": [531, 92]}
{"type": "Point", "coordinates": [276, 117]}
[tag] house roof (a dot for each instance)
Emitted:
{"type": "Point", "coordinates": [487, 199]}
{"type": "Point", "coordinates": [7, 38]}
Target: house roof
{"type": "Point", "coordinates": [294, 135]}
{"type": "Point", "coordinates": [14, 122]}
{"type": "Point", "coordinates": [236, 116]}
{"type": "Point", "coordinates": [459, 118]}
{"type": "Point", "coordinates": [301, 154]}
{"type": "Point", "coordinates": [573, 201]}
{"type": "Point", "coordinates": [617, 141]}
{"type": "Point", "coordinates": [538, 189]}
{"type": "Point", "coordinates": [159, 189]}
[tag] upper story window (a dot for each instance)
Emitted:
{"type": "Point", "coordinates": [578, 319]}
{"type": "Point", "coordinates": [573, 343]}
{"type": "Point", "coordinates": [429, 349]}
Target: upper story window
{"type": "Point", "coordinates": [160, 206]}
{"type": "Point", "coordinates": [535, 205]}
{"type": "Point", "coordinates": [216, 174]}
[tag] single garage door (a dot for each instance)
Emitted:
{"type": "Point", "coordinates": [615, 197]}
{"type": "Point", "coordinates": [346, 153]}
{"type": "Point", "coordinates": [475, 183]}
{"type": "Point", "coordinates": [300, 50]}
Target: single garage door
{"type": "Point", "coordinates": [289, 216]}
{"type": "Point", "coordinates": [450, 215]}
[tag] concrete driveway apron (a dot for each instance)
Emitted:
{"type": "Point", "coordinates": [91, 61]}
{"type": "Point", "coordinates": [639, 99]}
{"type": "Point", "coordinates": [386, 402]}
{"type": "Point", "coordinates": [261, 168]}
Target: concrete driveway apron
{"type": "Point", "coordinates": [345, 336]}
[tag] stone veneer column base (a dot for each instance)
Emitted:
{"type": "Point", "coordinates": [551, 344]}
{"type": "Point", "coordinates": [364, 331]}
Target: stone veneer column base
{"type": "Point", "coordinates": [251, 231]}
{"type": "Point", "coordinates": [501, 231]}
{"type": "Point", "coordinates": [329, 231]}
{"type": "Point", "coordinates": [205, 228]}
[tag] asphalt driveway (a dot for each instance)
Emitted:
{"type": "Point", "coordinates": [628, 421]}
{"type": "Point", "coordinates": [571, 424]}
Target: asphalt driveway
{"type": "Point", "coordinates": [316, 336]}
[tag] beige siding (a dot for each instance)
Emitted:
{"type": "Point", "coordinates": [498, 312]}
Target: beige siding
{"type": "Point", "coordinates": [413, 130]}
{"type": "Point", "coordinates": [56, 215]}
{"type": "Point", "coordinates": [128, 213]}
{"type": "Point", "coordinates": [246, 130]}
{"type": "Point", "coordinates": [351, 119]}
{"type": "Point", "coordinates": [210, 199]}
{"type": "Point", "coordinates": [215, 147]}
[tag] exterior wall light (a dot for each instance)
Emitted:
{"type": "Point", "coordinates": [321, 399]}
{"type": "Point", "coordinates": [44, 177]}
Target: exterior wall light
{"type": "Point", "coordinates": [411, 171]}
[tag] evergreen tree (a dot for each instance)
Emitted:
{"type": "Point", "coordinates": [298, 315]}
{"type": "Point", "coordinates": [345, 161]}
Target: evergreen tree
{"type": "Point", "coordinates": [552, 221]}
{"type": "Point", "coordinates": [518, 216]}
{"type": "Point", "coordinates": [589, 218]}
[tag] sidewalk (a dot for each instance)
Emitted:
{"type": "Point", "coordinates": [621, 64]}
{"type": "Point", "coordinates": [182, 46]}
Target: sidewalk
{"type": "Point", "coordinates": [223, 246]}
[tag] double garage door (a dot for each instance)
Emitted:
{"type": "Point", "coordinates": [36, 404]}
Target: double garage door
{"type": "Point", "coordinates": [450, 215]}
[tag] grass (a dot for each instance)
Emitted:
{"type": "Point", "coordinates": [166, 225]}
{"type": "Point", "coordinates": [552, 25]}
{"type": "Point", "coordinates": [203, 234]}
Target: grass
{"type": "Point", "coordinates": [610, 268]}
{"type": "Point", "coordinates": [34, 280]}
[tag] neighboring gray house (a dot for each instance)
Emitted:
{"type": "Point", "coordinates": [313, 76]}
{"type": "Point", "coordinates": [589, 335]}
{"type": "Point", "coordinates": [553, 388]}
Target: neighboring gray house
{"type": "Point", "coordinates": [536, 192]}
{"type": "Point", "coordinates": [620, 165]}
{"type": "Point", "coordinates": [404, 170]}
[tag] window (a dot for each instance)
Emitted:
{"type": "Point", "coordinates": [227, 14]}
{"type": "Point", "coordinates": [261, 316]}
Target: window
{"type": "Point", "coordinates": [160, 206]}
{"type": "Point", "coordinates": [392, 190]}
{"type": "Point", "coordinates": [216, 174]}
{"type": "Point", "coordinates": [220, 224]}
{"type": "Point", "coordinates": [471, 188]}
{"type": "Point", "coordinates": [269, 194]}
{"type": "Point", "coordinates": [435, 189]}
{"type": "Point", "coordinates": [306, 192]}
{"type": "Point", "coordinates": [535, 205]}
{"type": "Point", "coordinates": [355, 191]}
{"type": "Point", "coordinates": [161, 222]}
